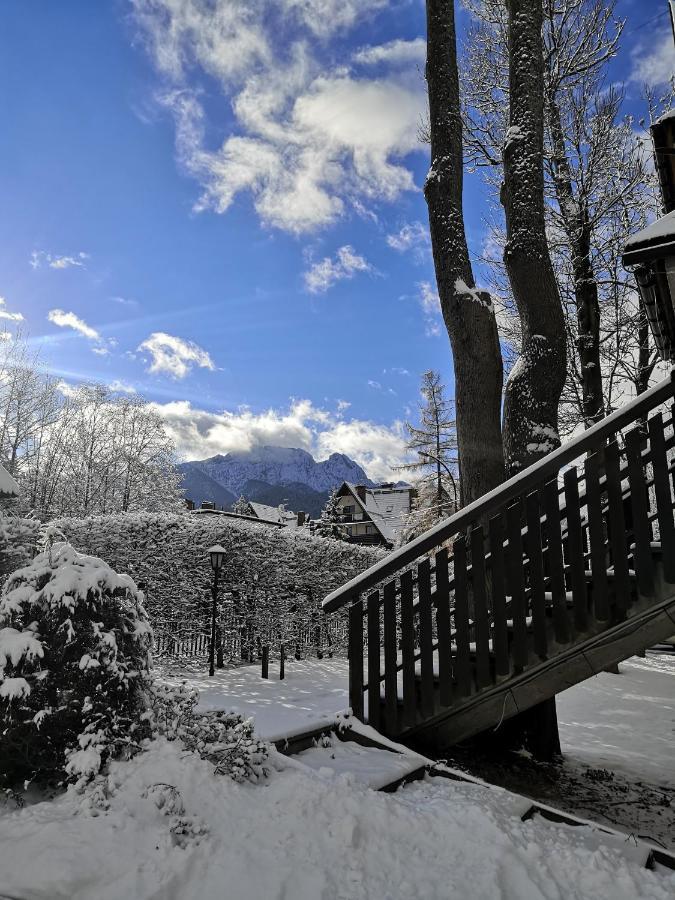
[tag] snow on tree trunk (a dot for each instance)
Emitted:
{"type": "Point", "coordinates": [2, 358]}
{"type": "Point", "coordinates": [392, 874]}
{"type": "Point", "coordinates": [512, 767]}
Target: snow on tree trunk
{"type": "Point", "coordinates": [468, 314]}
{"type": "Point", "coordinates": [536, 381]}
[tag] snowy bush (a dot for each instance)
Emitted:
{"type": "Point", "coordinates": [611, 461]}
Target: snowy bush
{"type": "Point", "coordinates": [19, 536]}
{"type": "Point", "coordinates": [272, 583]}
{"type": "Point", "coordinates": [74, 657]}
{"type": "Point", "coordinates": [224, 739]}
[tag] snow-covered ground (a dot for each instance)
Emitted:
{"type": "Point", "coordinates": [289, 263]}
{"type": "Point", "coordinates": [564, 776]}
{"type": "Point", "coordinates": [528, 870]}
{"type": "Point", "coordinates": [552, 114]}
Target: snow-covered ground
{"type": "Point", "coordinates": [625, 722]}
{"type": "Point", "coordinates": [312, 831]}
{"type": "Point", "coordinates": [308, 697]}
{"type": "Point", "coordinates": [307, 835]}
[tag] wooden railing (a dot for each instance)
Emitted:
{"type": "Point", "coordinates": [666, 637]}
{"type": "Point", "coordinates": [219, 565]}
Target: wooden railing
{"type": "Point", "coordinates": [517, 575]}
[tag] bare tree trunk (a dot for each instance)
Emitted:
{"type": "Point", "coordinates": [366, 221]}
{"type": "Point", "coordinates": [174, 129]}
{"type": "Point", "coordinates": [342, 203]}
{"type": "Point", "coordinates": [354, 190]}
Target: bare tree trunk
{"type": "Point", "coordinates": [468, 314]}
{"type": "Point", "coordinates": [535, 384]}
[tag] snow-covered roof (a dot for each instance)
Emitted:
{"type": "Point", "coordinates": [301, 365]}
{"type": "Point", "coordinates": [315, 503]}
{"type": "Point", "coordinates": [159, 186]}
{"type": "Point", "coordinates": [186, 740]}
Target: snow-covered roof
{"type": "Point", "coordinates": [8, 487]}
{"type": "Point", "coordinates": [387, 508]}
{"type": "Point", "coordinates": [658, 231]}
{"type": "Point", "coordinates": [273, 513]}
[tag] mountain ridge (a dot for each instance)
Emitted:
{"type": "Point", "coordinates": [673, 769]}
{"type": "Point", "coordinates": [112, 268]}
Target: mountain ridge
{"type": "Point", "coordinates": [268, 472]}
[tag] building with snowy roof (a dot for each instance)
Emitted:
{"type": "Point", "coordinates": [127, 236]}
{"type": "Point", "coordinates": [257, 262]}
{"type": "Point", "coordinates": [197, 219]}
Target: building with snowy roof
{"type": "Point", "coordinates": [374, 515]}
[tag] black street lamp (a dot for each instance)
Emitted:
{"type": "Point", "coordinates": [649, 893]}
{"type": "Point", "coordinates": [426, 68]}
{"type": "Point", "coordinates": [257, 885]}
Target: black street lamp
{"type": "Point", "coordinates": [217, 554]}
{"type": "Point", "coordinates": [651, 252]}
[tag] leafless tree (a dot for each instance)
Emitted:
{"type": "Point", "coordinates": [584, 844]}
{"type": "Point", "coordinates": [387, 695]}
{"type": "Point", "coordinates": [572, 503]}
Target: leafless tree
{"type": "Point", "coordinates": [468, 313]}
{"type": "Point", "coordinates": [598, 187]}
{"type": "Point", "coordinates": [434, 442]}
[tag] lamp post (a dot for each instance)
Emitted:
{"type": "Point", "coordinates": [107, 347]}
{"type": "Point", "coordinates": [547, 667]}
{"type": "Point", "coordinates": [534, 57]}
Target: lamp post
{"type": "Point", "coordinates": [217, 555]}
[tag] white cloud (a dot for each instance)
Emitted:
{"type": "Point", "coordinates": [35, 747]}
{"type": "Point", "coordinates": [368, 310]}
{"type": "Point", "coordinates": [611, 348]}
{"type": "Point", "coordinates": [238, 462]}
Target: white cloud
{"type": "Point", "coordinates": [69, 320]}
{"type": "Point", "coordinates": [654, 64]}
{"type": "Point", "coordinates": [199, 434]}
{"type": "Point", "coordinates": [430, 303]}
{"type": "Point", "coordinates": [6, 314]}
{"type": "Point", "coordinates": [412, 236]}
{"type": "Point", "coordinates": [41, 257]}
{"type": "Point", "coordinates": [396, 52]}
{"type": "Point", "coordinates": [324, 274]}
{"type": "Point", "coordinates": [174, 355]}
{"type": "Point", "coordinates": [121, 387]}
{"type": "Point", "coordinates": [306, 143]}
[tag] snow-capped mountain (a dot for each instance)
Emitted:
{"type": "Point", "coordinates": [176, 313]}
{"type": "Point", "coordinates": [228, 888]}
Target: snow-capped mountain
{"type": "Point", "coordinates": [280, 466]}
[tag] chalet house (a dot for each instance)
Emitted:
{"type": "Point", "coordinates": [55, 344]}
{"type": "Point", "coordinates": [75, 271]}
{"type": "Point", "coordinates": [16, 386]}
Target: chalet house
{"type": "Point", "coordinates": [373, 515]}
{"type": "Point", "coordinates": [9, 489]}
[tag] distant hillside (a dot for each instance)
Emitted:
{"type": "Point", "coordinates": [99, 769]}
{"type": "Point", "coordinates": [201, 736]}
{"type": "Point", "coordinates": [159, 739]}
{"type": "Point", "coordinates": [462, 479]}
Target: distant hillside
{"type": "Point", "coordinates": [198, 486]}
{"type": "Point", "coordinates": [271, 475]}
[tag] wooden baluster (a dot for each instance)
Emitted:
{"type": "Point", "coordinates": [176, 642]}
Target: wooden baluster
{"type": "Point", "coordinates": [596, 533]}
{"type": "Point", "coordinates": [390, 648]}
{"type": "Point", "coordinates": [374, 684]}
{"type": "Point", "coordinates": [443, 627]}
{"type": "Point", "coordinates": [500, 635]}
{"type": "Point", "coordinates": [575, 549]}
{"type": "Point", "coordinates": [426, 639]}
{"type": "Point", "coordinates": [536, 570]}
{"type": "Point", "coordinates": [516, 585]}
{"type": "Point", "coordinates": [556, 572]}
{"type": "Point", "coordinates": [642, 532]}
{"type": "Point", "coordinates": [617, 527]}
{"type": "Point", "coordinates": [664, 503]}
{"type": "Point", "coordinates": [408, 649]}
{"type": "Point", "coordinates": [461, 659]}
{"type": "Point", "coordinates": [480, 608]}
{"type": "Point", "coordinates": [356, 658]}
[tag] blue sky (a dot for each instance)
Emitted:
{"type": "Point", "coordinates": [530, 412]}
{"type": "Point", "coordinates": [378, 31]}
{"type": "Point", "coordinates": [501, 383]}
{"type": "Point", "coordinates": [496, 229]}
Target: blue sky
{"type": "Point", "coordinates": [218, 205]}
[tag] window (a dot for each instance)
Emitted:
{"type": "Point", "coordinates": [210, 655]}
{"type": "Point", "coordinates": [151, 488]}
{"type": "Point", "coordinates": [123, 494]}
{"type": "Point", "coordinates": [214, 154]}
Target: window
{"type": "Point", "coordinates": [370, 529]}
{"type": "Point", "coordinates": [348, 509]}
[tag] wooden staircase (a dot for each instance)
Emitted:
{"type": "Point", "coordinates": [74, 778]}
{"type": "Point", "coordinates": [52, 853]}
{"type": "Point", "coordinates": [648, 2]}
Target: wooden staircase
{"type": "Point", "coordinates": [564, 570]}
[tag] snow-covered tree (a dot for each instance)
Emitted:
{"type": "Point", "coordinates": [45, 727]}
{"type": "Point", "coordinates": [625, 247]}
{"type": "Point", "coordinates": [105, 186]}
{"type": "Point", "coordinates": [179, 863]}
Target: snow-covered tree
{"type": "Point", "coordinates": [434, 442]}
{"type": "Point", "coordinates": [242, 507]}
{"type": "Point", "coordinates": [329, 523]}
{"type": "Point", "coordinates": [599, 188]}
{"type": "Point", "coordinates": [74, 657]}
{"type": "Point", "coordinates": [19, 537]}
{"type": "Point", "coordinates": [469, 314]}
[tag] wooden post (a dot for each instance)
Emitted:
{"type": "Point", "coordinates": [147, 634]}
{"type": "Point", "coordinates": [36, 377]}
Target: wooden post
{"type": "Point", "coordinates": [282, 663]}
{"type": "Point", "coordinates": [265, 661]}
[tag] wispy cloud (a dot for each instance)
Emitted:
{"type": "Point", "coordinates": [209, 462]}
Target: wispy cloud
{"type": "Point", "coordinates": [174, 356]}
{"type": "Point", "coordinates": [324, 274]}
{"type": "Point", "coordinates": [396, 52]}
{"type": "Point", "coordinates": [40, 258]}
{"type": "Point", "coordinates": [654, 63]}
{"type": "Point", "coordinates": [412, 236]}
{"type": "Point", "coordinates": [6, 314]}
{"type": "Point", "coordinates": [309, 142]}
{"type": "Point", "coordinates": [429, 301]}
{"type": "Point", "coordinates": [69, 320]}
{"type": "Point", "coordinates": [124, 301]}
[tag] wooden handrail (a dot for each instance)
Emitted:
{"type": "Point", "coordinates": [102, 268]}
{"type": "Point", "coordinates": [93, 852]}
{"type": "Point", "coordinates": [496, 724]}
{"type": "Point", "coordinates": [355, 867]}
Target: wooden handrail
{"type": "Point", "coordinates": [517, 486]}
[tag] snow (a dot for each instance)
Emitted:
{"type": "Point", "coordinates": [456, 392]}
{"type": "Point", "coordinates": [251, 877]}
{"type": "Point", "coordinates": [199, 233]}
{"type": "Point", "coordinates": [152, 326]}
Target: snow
{"type": "Point", "coordinates": [304, 835]}
{"type": "Point", "coordinates": [8, 487]}
{"type": "Point", "coordinates": [310, 695]}
{"type": "Point", "coordinates": [462, 288]}
{"type": "Point", "coordinates": [662, 228]}
{"type": "Point", "coordinates": [314, 829]}
{"type": "Point", "coordinates": [626, 722]}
